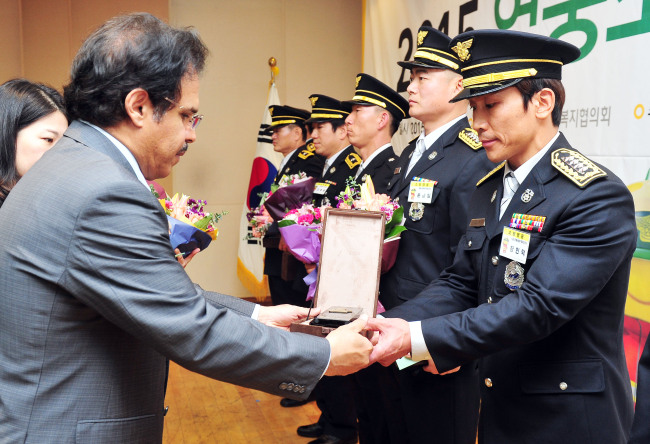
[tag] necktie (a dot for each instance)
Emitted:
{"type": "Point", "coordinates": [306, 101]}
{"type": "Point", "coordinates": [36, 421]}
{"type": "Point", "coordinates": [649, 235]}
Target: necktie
{"type": "Point", "coordinates": [417, 153]}
{"type": "Point", "coordinates": [325, 167]}
{"type": "Point", "coordinates": [510, 185]}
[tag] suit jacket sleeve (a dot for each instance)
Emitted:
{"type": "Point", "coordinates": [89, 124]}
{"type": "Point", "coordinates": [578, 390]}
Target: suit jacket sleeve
{"type": "Point", "coordinates": [119, 263]}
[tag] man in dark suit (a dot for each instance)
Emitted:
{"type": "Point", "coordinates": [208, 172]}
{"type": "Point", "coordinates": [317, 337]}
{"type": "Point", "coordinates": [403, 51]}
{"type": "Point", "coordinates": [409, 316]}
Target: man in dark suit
{"type": "Point", "coordinates": [641, 427]}
{"type": "Point", "coordinates": [538, 286]}
{"type": "Point", "coordinates": [377, 111]}
{"type": "Point", "coordinates": [434, 179]}
{"type": "Point", "coordinates": [337, 423]}
{"type": "Point", "coordinates": [285, 272]}
{"type": "Point", "coordinates": [330, 138]}
{"type": "Point", "coordinates": [93, 306]}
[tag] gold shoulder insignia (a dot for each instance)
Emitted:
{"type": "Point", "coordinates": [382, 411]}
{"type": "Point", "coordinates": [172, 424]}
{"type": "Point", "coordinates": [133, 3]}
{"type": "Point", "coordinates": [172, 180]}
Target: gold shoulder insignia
{"type": "Point", "coordinates": [310, 146]}
{"type": "Point", "coordinates": [352, 160]}
{"type": "Point", "coordinates": [491, 173]}
{"type": "Point", "coordinates": [304, 154]}
{"type": "Point", "coordinates": [421, 36]}
{"type": "Point", "coordinates": [313, 100]}
{"type": "Point", "coordinates": [462, 49]}
{"type": "Point", "coordinates": [576, 167]}
{"type": "Point", "coordinates": [470, 137]}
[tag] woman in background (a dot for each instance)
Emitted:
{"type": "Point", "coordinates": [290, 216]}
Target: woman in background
{"type": "Point", "coordinates": [32, 120]}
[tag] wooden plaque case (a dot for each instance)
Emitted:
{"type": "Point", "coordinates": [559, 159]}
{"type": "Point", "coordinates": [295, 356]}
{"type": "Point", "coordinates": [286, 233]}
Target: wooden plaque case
{"type": "Point", "coordinates": [350, 264]}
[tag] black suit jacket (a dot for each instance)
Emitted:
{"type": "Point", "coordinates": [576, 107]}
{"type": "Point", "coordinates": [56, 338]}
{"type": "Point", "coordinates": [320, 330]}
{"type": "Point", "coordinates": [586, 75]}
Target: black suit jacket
{"type": "Point", "coordinates": [345, 166]}
{"type": "Point", "coordinates": [553, 365]}
{"type": "Point", "coordinates": [380, 169]}
{"type": "Point", "coordinates": [429, 244]}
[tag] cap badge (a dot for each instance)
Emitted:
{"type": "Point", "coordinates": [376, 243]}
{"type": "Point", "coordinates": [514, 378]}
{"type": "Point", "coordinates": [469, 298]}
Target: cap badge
{"type": "Point", "coordinates": [421, 36]}
{"type": "Point", "coordinates": [433, 155]}
{"type": "Point", "coordinates": [527, 196]}
{"type": "Point", "coordinates": [514, 276]}
{"type": "Point", "coordinates": [358, 80]}
{"type": "Point", "coordinates": [313, 100]}
{"type": "Point", "coordinates": [462, 49]}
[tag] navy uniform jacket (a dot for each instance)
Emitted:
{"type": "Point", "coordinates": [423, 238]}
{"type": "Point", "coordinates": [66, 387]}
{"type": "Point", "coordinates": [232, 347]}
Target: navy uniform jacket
{"type": "Point", "coordinates": [553, 367]}
{"type": "Point", "coordinates": [304, 160]}
{"type": "Point", "coordinates": [380, 169]}
{"type": "Point", "coordinates": [641, 427]}
{"type": "Point", "coordinates": [346, 165]}
{"type": "Point", "coordinates": [456, 161]}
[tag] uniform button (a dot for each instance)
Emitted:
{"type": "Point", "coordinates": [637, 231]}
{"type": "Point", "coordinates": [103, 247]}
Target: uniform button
{"type": "Point", "coordinates": [563, 386]}
{"type": "Point", "coordinates": [488, 382]}
{"type": "Point", "coordinates": [290, 386]}
{"type": "Point", "coordinates": [296, 389]}
{"type": "Point", "coordinates": [469, 243]}
{"type": "Point", "coordinates": [283, 386]}
{"type": "Point", "coordinates": [490, 300]}
{"type": "Point", "coordinates": [495, 260]}
{"type": "Point", "coordinates": [302, 390]}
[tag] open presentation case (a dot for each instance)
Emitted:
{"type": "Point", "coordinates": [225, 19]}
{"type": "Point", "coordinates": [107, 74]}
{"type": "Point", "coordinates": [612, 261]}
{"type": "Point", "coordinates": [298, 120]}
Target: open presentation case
{"type": "Point", "coordinates": [349, 269]}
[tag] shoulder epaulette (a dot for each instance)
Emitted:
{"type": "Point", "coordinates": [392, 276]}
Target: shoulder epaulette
{"type": "Point", "coordinates": [352, 160]}
{"type": "Point", "coordinates": [310, 146]}
{"type": "Point", "coordinates": [491, 173]}
{"type": "Point", "coordinates": [304, 154]}
{"type": "Point", "coordinates": [470, 137]}
{"type": "Point", "coordinates": [576, 167]}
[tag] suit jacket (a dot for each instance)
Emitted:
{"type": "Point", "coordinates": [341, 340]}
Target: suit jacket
{"type": "Point", "coordinates": [553, 367]}
{"type": "Point", "coordinates": [93, 302]}
{"type": "Point", "coordinates": [381, 170]}
{"type": "Point", "coordinates": [429, 244]}
{"type": "Point", "coordinates": [346, 165]}
{"type": "Point", "coordinates": [641, 428]}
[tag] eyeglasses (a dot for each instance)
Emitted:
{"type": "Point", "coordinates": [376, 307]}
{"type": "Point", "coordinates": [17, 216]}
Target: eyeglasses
{"type": "Point", "coordinates": [192, 120]}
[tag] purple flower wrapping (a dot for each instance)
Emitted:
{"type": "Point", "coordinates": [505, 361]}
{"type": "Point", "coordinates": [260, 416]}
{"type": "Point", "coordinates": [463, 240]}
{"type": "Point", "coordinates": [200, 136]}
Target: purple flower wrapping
{"type": "Point", "coordinates": [186, 237]}
{"type": "Point", "coordinates": [303, 241]}
{"type": "Point", "coordinates": [289, 198]}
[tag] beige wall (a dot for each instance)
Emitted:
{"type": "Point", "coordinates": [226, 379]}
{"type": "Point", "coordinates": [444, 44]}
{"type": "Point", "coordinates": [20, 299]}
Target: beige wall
{"type": "Point", "coordinates": [318, 47]}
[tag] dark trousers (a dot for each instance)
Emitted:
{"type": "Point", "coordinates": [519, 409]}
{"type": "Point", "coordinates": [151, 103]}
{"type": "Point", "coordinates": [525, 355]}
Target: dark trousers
{"type": "Point", "coordinates": [335, 397]}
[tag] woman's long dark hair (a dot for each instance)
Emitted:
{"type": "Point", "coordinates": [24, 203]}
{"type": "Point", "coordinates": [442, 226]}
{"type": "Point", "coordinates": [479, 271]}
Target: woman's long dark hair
{"type": "Point", "coordinates": [21, 103]}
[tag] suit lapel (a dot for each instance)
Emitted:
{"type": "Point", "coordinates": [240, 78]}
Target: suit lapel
{"type": "Point", "coordinates": [530, 193]}
{"type": "Point", "coordinates": [93, 139]}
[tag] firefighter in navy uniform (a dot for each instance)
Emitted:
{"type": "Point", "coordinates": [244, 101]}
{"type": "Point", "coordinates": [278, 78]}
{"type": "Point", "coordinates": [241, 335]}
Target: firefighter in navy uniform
{"type": "Point", "coordinates": [331, 141]}
{"type": "Point", "coordinates": [538, 287]}
{"type": "Point", "coordinates": [433, 180]}
{"type": "Point", "coordinates": [337, 423]}
{"type": "Point", "coordinates": [377, 111]}
{"type": "Point", "coordinates": [289, 134]}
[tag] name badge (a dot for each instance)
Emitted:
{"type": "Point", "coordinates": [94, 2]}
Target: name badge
{"type": "Point", "coordinates": [321, 188]}
{"type": "Point", "coordinates": [421, 190]}
{"type": "Point", "coordinates": [514, 245]}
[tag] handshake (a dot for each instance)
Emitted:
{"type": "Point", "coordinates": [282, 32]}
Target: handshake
{"type": "Point", "coordinates": [351, 351]}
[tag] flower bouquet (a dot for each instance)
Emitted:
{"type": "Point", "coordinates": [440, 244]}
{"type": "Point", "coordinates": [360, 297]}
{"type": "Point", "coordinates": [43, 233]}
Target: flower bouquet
{"type": "Point", "coordinates": [291, 192]}
{"type": "Point", "coordinates": [190, 227]}
{"type": "Point", "coordinates": [301, 229]}
{"type": "Point", "coordinates": [259, 219]}
{"type": "Point", "coordinates": [364, 198]}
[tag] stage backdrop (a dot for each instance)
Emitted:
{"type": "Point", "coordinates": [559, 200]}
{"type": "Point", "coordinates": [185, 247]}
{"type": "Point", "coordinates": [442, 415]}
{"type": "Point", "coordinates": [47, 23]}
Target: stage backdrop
{"type": "Point", "coordinates": [607, 111]}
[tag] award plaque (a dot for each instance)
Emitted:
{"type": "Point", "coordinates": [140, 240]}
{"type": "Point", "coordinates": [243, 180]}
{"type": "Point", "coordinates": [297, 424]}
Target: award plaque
{"type": "Point", "coordinates": [348, 271]}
